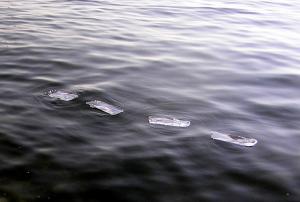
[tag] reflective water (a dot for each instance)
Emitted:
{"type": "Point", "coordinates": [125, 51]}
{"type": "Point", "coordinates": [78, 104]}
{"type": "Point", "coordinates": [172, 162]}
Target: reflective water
{"type": "Point", "coordinates": [226, 66]}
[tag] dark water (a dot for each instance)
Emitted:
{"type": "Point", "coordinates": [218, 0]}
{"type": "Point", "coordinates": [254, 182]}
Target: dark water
{"type": "Point", "coordinates": [227, 66]}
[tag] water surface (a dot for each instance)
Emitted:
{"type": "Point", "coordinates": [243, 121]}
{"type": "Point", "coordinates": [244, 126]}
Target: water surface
{"type": "Point", "coordinates": [226, 66]}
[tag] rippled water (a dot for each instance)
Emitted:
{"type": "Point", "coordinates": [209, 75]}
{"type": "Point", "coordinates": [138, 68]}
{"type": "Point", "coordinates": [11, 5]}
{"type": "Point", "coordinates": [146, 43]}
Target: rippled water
{"type": "Point", "coordinates": [227, 66]}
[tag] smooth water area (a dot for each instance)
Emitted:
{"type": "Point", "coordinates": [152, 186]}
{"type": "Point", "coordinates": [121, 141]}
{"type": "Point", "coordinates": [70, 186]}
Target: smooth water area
{"type": "Point", "coordinates": [227, 66]}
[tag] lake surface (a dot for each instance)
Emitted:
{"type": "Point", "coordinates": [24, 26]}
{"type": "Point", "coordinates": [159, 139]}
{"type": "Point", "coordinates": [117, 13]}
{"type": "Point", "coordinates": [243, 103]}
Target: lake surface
{"type": "Point", "coordinates": [226, 66]}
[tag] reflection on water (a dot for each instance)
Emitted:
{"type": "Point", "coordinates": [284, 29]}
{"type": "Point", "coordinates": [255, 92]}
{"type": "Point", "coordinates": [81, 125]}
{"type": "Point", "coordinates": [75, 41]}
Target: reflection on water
{"type": "Point", "coordinates": [224, 65]}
